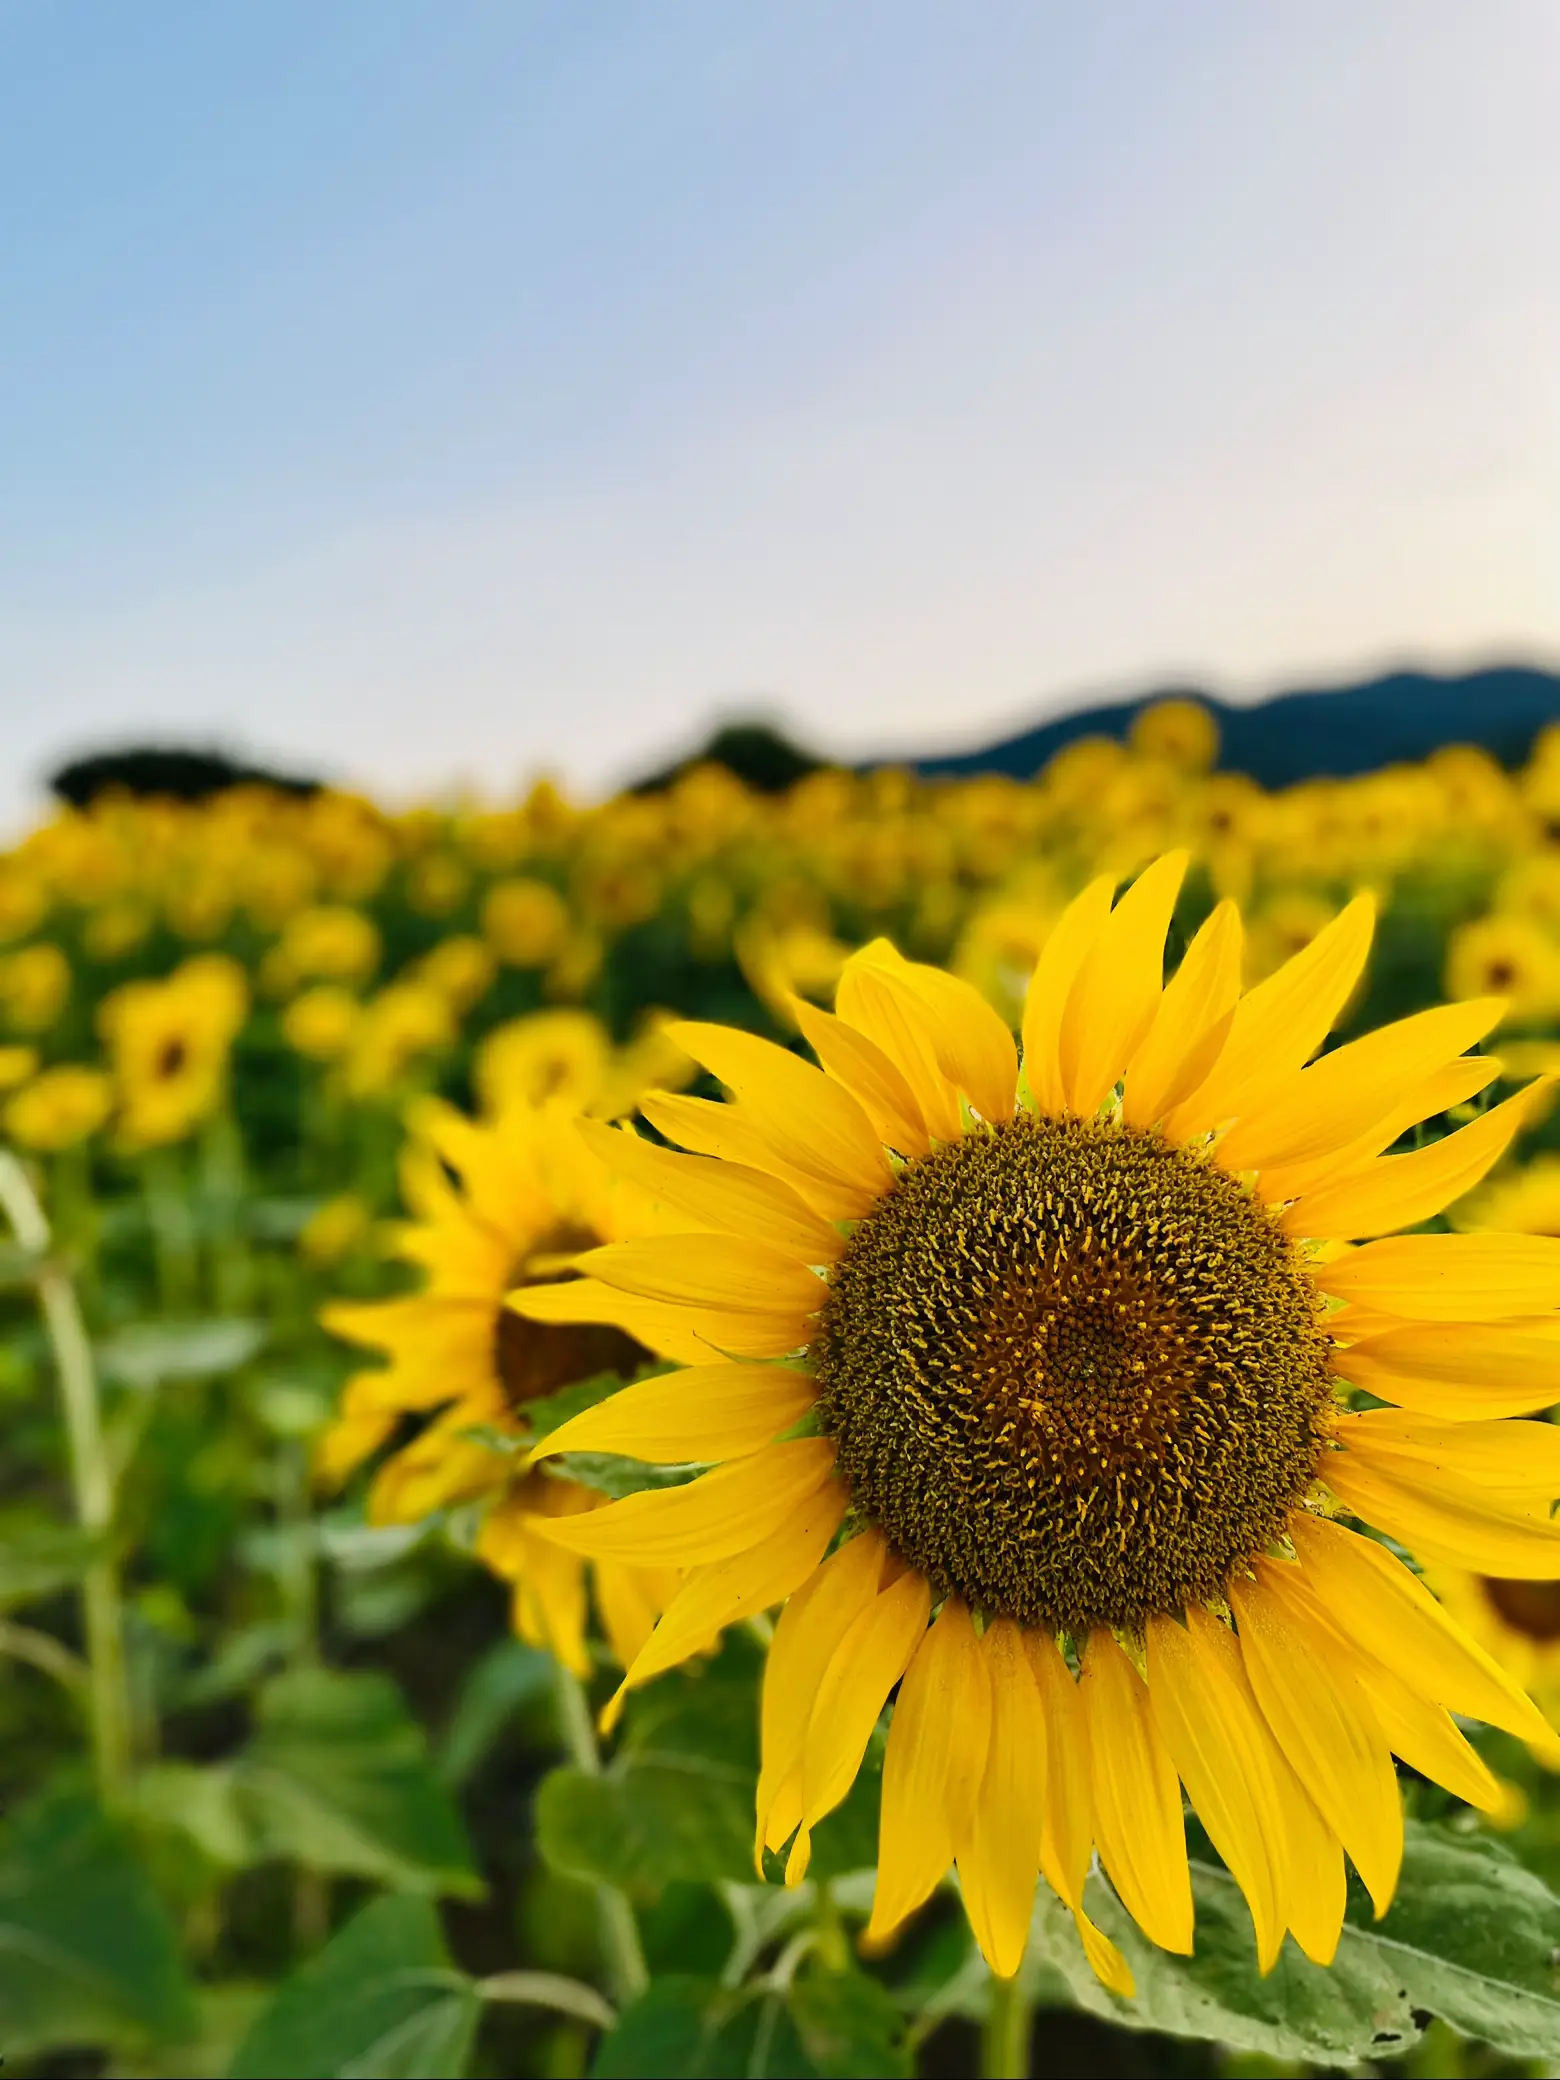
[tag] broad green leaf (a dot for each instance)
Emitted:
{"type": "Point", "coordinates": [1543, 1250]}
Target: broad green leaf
{"type": "Point", "coordinates": [201, 1803]}
{"type": "Point", "coordinates": [849, 2025]}
{"type": "Point", "coordinates": [338, 1777]}
{"type": "Point", "coordinates": [87, 1953]}
{"type": "Point", "coordinates": [646, 1823]}
{"type": "Point", "coordinates": [381, 1999]}
{"type": "Point", "coordinates": [1472, 1938]}
{"type": "Point", "coordinates": [684, 2028]}
{"type": "Point", "coordinates": [509, 1676]}
{"type": "Point", "coordinates": [549, 1411]}
{"type": "Point", "coordinates": [39, 1556]}
{"type": "Point", "coordinates": [146, 1353]}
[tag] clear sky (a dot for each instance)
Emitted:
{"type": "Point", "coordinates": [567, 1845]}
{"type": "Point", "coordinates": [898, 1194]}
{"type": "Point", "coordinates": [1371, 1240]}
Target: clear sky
{"type": "Point", "coordinates": [430, 393]}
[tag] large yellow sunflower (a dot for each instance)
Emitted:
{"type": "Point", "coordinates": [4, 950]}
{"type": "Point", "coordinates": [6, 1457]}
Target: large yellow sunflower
{"type": "Point", "coordinates": [496, 1206]}
{"type": "Point", "coordinates": [1033, 1390]}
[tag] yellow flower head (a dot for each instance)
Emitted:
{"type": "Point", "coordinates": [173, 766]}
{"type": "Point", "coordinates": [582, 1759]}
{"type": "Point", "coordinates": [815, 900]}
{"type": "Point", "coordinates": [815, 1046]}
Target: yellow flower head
{"type": "Point", "coordinates": [330, 943]}
{"type": "Point", "coordinates": [321, 1021]}
{"type": "Point", "coordinates": [17, 1064]}
{"type": "Point", "coordinates": [1181, 732]}
{"type": "Point", "coordinates": [525, 922]}
{"type": "Point", "coordinates": [400, 1026]}
{"type": "Point", "coordinates": [34, 986]}
{"type": "Point", "coordinates": [1511, 955]}
{"type": "Point", "coordinates": [460, 969]}
{"type": "Point", "coordinates": [59, 1108]}
{"type": "Point", "coordinates": [1032, 1388]}
{"type": "Point", "coordinates": [552, 1054]}
{"type": "Point", "coordinates": [168, 1045]}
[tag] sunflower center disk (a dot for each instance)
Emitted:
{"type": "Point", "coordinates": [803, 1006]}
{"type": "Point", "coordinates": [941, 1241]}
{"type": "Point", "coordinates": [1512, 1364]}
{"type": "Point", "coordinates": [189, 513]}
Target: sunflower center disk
{"type": "Point", "coordinates": [1075, 1374]}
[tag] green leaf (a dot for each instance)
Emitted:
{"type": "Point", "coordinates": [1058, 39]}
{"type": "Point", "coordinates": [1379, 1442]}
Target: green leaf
{"type": "Point", "coordinates": [87, 1953]}
{"type": "Point", "coordinates": [509, 1676]}
{"type": "Point", "coordinates": [381, 1998]}
{"type": "Point", "coordinates": [39, 1556]}
{"type": "Point", "coordinates": [849, 2025]}
{"type": "Point", "coordinates": [645, 1823]}
{"type": "Point", "coordinates": [549, 1412]}
{"type": "Point", "coordinates": [200, 1803]}
{"type": "Point", "coordinates": [611, 1475]}
{"type": "Point", "coordinates": [338, 1777]}
{"type": "Point", "coordinates": [1471, 1938]}
{"type": "Point", "coordinates": [684, 2028]}
{"type": "Point", "coordinates": [147, 1353]}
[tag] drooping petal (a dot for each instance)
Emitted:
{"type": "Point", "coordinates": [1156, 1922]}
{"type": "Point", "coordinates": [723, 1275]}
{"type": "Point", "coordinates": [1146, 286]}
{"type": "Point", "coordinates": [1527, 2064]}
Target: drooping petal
{"type": "Point", "coordinates": [723, 1195]}
{"type": "Point", "coordinates": [1191, 1024]}
{"type": "Point", "coordinates": [1459, 1371]}
{"type": "Point", "coordinates": [875, 1004]}
{"type": "Point", "coordinates": [1117, 991]}
{"type": "Point", "coordinates": [1000, 1860]}
{"type": "Point", "coordinates": [719, 1514]}
{"type": "Point", "coordinates": [1438, 1093]}
{"type": "Point", "coordinates": [705, 1413]}
{"type": "Point", "coordinates": [1137, 1799]}
{"type": "Point", "coordinates": [933, 1766]}
{"type": "Point", "coordinates": [1323, 1723]}
{"type": "Point", "coordinates": [1050, 986]}
{"type": "Point", "coordinates": [1449, 1278]}
{"type": "Point", "coordinates": [1424, 1735]}
{"type": "Point", "coordinates": [872, 1077]}
{"type": "Point", "coordinates": [1214, 1742]}
{"type": "Point", "coordinates": [1281, 1023]}
{"type": "Point", "coordinates": [630, 1599]}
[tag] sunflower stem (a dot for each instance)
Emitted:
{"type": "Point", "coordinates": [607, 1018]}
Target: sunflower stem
{"type": "Point", "coordinates": [624, 1956]}
{"type": "Point", "coordinates": [1009, 2023]}
{"type": "Point", "coordinates": [92, 1483]}
{"type": "Point", "coordinates": [173, 1232]}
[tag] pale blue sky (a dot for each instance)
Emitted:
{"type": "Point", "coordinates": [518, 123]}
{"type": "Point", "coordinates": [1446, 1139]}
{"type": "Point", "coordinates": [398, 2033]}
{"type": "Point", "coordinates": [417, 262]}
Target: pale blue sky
{"type": "Point", "coordinates": [434, 392]}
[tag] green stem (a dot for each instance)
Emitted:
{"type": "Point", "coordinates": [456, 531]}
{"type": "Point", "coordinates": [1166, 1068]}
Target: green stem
{"type": "Point", "coordinates": [625, 1959]}
{"type": "Point", "coordinates": [173, 1232]}
{"type": "Point", "coordinates": [223, 1176]}
{"type": "Point", "coordinates": [1009, 2022]}
{"type": "Point", "coordinates": [91, 1481]}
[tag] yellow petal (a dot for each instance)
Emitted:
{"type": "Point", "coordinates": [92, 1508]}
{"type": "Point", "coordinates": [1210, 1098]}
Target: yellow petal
{"type": "Point", "coordinates": [671, 1332]}
{"type": "Point", "coordinates": [876, 1082]}
{"type": "Point", "coordinates": [1459, 1370]}
{"type": "Point", "coordinates": [1281, 1023]}
{"type": "Point", "coordinates": [1445, 1520]}
{"type": "Point", "coordinates": [1425, 1737]}
{"type": "Point", "coordinates": [1318, 1885]}
{"type": "Point", "coordinates": [933, 1766]}
{"type": "Point", "coordinates": [1449, 1278]}
{"type": "Point", "coordinates": [1437, 1093]}
{"type": "Point", "coordinates": [1398, 1191]}
{"type": "Point", "coordinates": [1105, 1960]}
{"type": "Point", "coordinates": [1518, 1461]}
{"type": "Point", "coordinates": [719, 1594]}
{"type": "Point", "coordinates": [1137, 1800]}
{"type": "Point", "coordinates": [1067, 1832]}
{"type": "Point", "coordinates": [706, 1413]}
{"type": "Point", "coordinates": [719, 1514]}
{"type": "Point", "coordinates": [875, 1003]}
{"type": "Point", "coordinates": [813, 1124]}
{"type": "Point", "coordinates": [1191, 1024]}
{"type": "Point", "coordinates": [1113, 1001]}
{"type": "Point", "coordinates": [864, 1667]}
{"type": "Point", "coordinates": [629, 1600]}
{"type": "Point", "coordinates": [1322, 1722]}
{"type": "Point", "coordinates": [1000, 1860]}
{"type": "Point", "coordinates": [732, 1134]}
{"type": "Point", "coordinates": [722, 1272]}
{"type": "Point", "coordinates": [974, 1049]}
{"type": "Point", "coordinates": [1339, 1098]}
{"type": "Point", "coordinates": [1215, 1743]}
{"type": "Point", "coordinates": [1063, 954]}
{"type": "Point", "coordinates": [725, 1195]}
{"type": "Point", "coordinates": [1388, 1613]}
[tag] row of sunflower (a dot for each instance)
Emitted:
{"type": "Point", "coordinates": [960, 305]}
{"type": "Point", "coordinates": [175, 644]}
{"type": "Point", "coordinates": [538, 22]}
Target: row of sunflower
{"type": "Point", "coordinates": [974, 1354]}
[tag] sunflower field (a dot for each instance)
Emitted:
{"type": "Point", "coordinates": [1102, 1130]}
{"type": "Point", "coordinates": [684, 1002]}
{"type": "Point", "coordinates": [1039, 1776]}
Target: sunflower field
{"type": "Point", "coordinates": [893, 1427]}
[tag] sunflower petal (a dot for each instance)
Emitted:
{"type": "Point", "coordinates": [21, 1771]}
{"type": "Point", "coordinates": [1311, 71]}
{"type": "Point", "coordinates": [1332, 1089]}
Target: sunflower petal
{"type": "Point", "coordinates": [1067, 1831]}
{"type": "Point", "coordinates": [723, 1272]}
{"type": "Point", "coordinates": [1137, 1800]}
{"type": "Point", "coordinates": [726, 1195]}
{"type": "Point", "coordinates": [1449, 1278]}
{"type": "Point", "coordinates": [1459, 1371]}
{"type": "Point", "coordinates": [1063, 954]}
{"type": "Point", "coordinates": [1191, 1024]}
{"type": "Point", "coordinates": [999, 1861]}
{"type": "Point", "coordinates": [672, 1332]}
{"type": "Point", "coordinates": [852, 1057]}
{"type": "Point", "coordinates": [1447, 1521]}
{"type": "Point", "coordinates": [1519, 1461]}
{"type": "Point", "coordinates": [734, 1134]}
{"type": "Point", "coordinates": [1117, 992]}
{"type": "Point", "coordinates": [1424, 1735]}
{"type": "Point", "coordinates": [974, 1048]}
{"type": "Point", "coordinates": [1438, 1093]}
{"type": "Point", "coordinates": [706, 1413]}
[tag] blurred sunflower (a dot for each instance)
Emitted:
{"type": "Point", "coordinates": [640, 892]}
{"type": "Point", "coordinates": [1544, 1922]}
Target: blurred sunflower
{"type": "Point", "coordinates": [61, 1107]}
{"type": "Point", "coordinates": [168, 1045]}
{"type": "Point", "coordinates": [1064, 1351]}
{"type": "Point", "coordinates": [496, 1206]}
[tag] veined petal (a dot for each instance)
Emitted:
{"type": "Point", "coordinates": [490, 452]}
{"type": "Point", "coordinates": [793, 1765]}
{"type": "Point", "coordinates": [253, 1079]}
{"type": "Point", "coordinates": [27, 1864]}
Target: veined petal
{"type": "Point", "coordinates": [1281, 1023]}
{"type": "Point", "coordinates": [1449, 1278]}
{"type": "Point", "coordinates": [1137, 1800]}
{"type": "Point", "coordinates": [707, 1413]}
{"type": "Point", "coordinates": [1424, 1736]}
{"type": "Point", "coordinates": [726, 1195]}
{"type": "Point", "coordinates": [864, 1667]}
{"type": "Point", "coordinates": [999, 1862]}
{"type": "Point", "coordinates": [811, 1626]}
{"type": "Point", "coordinates": [877, 1083]}
{"type": "Point", "coordinates": [974, 1048]}
{"type": "Point", "coordinates": [875, 1004]}
{"type": "Point", "coordinates": [933, 1766]}
{"type": "Point", "coordinates": [671, 1332]}
{"type": "Point", "coordinates": [1341, 1097]}
{"type": "Point", "coordinates": [630, 1599]}
{"type": "Point", "coordinates": [1113, 1001]}
{"type": "Point", "coordinates": [1444, 1519]}
{"type": "Point", "coordinates": [1063, 954]}
{"type": "Point", "coordinates": [1067, 1831]}
{"type": "Point", "coordinates": [1214, 1742]}
{"type": "Point", "coordinates": [719, 1514]}
{"type": "Point", "coordinates": [1519, 1461]}
{"type": "Point", "coordinates": [1390, 1614]}
{"type": "Point", "coordinates": [723, 1272]}
{"type": "Point", "coordinates": [734, 1134]}
{"type": "Point", "coordinates": [1438, 1093]}
{"type": "Point", "coordinates": [1322, 1722]}
{"type": "Point", "coordinates": [813, 1124]}
{"type": "Point", "coordinates": [1459, 1370]}
{"type": "Point", "coordinates": [1191, 1024]}
{"type": "Point", "coordinates": [719, 1594]}
{"type": "Point", "coordinates": [1398, 1191]}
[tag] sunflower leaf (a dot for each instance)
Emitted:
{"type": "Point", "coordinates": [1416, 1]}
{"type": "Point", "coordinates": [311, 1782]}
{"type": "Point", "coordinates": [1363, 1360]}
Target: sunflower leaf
{"type": "Point", "coordinates": [614, 1476]}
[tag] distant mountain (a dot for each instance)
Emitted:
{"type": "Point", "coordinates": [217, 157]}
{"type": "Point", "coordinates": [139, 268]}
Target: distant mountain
{"type": "Point", "coordinates": [1304, 736]}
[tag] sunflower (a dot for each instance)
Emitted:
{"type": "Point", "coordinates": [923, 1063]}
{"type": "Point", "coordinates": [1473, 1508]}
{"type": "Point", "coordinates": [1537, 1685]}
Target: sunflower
{"type": "Point", "coordinates": [168, 1044]}
{"type": "Point", "coordinates": [497, 1205]}
{"type": "Point", "coordinates": [1030, 1390]}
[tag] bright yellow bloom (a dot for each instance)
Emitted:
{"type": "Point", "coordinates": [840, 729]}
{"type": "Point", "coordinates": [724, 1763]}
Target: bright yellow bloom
{"type": "Point", "coordinates": [59, 1108]}
{"type": "Point", "coordinates": [328, 944]}
{"type": "Point", "coordinates": [336, 1228]}
{"type": "Point", "coordinates": [525, 922]}
{"type": "Point", "coordinates": [461, 1361]}
{"type": "Point", "coordinates": [34, 986]}
{"type": "Point", "coordinates": [551, 1054]}
{"type": "Point", "coordinates": [460, 969]}
{"type": "Point", "coordinates": [1511, 955]}
{"type": "Point", "coordinates": [403, 1023]}
{"type": "Point", "coordinates": [321, 1022]}
{"type": "Point", "coordinates": [1181, 732]}
{"type": "Point", "coordinates": [17, 1064]}
{"type": "Point", "coordinates": [1069, 1351]}
{"type": "Point", "coordinates": [168, 1045]}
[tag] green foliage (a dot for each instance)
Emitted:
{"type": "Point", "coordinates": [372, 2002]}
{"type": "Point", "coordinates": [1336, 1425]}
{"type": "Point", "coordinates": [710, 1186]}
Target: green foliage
{"type": "Point", "coordinates": [836, 2024]}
